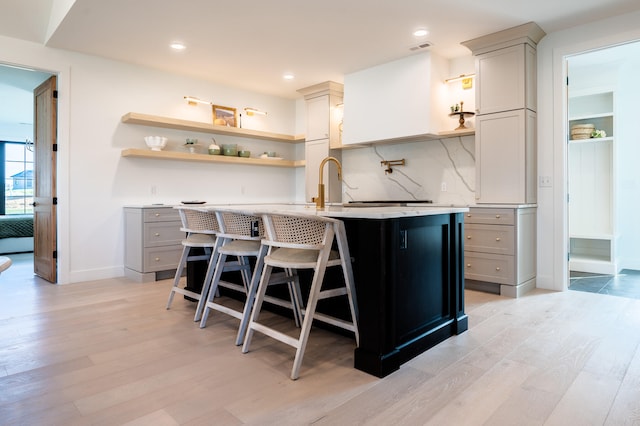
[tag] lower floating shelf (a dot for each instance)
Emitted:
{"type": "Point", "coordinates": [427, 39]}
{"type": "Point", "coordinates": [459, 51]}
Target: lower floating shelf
{"type": "Point", "coordinates": [205, 158]}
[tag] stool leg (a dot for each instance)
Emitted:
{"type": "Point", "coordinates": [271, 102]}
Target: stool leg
{"type": "Point", "coordinates": [176, 279]}
{"type": "Point", "coordinates": [347, 271]}
{"type": "Point", "coordinates": [316, 285]}
{"type": "Point", "coordinates": [295, 294]}
{"type": "Point", "coordinates": [262, 289]}
{"type": "Point", "coordinates": [251, 294]}
{"type": "Point", "coordinates": [213, 288]}
{"type": "Point", "coordinates": [206, 285]}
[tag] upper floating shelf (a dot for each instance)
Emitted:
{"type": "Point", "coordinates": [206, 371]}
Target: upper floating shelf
{"type": "Point", "coordinates": [197, 126]}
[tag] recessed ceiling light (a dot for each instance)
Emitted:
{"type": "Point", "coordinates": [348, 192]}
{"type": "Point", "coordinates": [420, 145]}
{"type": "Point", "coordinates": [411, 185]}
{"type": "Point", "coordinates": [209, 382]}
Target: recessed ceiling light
{"type": "Point", "coordinates": [288, 76]}
{"type": "Point", "coordinates": [420, 33]}
{"type": "Point", "coordinates": [177, 45]}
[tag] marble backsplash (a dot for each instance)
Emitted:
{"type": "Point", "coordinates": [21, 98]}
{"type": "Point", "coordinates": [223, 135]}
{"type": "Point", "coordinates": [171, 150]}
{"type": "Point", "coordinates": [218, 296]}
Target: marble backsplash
{"type": "Point", "coordinates": [442, 170]}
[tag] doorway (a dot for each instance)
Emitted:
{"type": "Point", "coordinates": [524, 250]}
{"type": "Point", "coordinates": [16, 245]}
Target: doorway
{"type": "Point", "coordinates": [23, 89]}
{"type": "Point", "coordinates": [602, 179]}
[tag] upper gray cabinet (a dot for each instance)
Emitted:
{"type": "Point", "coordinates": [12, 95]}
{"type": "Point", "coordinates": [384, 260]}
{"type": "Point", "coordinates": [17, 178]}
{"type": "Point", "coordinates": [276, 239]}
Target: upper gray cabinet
{"type": "Point", "coordinates": [506, 80]}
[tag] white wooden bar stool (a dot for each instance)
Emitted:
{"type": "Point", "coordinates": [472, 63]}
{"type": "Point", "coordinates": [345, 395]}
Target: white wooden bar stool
{"type": "Point", "coordinates": [304, 242]}
{"type": "Point", "coordinates": [241, 236]}
{"type": "Point", "coordinates": [201, 227]}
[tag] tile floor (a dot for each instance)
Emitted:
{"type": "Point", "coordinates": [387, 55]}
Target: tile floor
{"type": "Point", "coordinates": [625, 284]}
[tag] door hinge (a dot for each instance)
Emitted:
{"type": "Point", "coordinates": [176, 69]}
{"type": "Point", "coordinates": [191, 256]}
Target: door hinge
{"type": "Point", "coordinates": [55, 147]}
{"type": "Point", "coordinates": [55, 94]}
{"type": "Point", "coordinates": [55, 201]}
{"type": "Point", "coordinates": [55, 254]}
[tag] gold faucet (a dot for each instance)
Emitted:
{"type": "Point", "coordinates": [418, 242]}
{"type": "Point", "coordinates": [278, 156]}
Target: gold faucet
{"type": "Point", "coordinates": [319, 200]}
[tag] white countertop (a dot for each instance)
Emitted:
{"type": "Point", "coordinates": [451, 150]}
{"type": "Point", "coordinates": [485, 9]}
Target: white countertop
{"type": "Point", "coordinates": [339, 211]}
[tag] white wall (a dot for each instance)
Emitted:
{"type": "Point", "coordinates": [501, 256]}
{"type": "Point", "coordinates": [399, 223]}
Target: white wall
{"type": "Point", "coordinates": [627, 155]}
{"type": "Point", "coordinates": [94, 181]}
{"type": "Point", "coordinates": [552, 131]}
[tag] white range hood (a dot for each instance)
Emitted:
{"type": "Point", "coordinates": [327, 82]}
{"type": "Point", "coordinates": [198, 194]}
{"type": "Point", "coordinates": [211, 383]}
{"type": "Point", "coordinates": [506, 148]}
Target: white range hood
{"type": "Point", "coordinates": [401, 100]}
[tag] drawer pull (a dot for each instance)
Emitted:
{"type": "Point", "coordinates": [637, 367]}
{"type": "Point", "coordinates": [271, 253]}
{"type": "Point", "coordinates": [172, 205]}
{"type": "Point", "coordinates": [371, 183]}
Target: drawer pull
{"type": "Point", "coordinates": [497, 238]}
{"type": "Point", "coordinates": [157, 214]}
{"type": "Point", "coordinates": [468, 265]}
{"type": "Point", "coordinates": [469, 215]}
{"type": "Point", "coordinates": [498, 268]}
{"type": "Point", "coordinates": [468, 237]}
{"type": "Point", "coordinates": [497, 216]}
{"type": "Point", "coordinates": [157, 234]}
{"type": "Point", "coordinates": [157, 259]}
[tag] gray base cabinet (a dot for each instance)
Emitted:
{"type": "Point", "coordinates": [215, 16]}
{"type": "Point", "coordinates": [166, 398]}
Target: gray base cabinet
{"type": "Point", "coordinates": [153, 242]}
{"type": "Point", "coordinates": [500, 249]}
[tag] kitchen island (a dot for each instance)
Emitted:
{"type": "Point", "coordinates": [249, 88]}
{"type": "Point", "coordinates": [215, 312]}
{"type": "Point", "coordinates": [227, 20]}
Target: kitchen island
{"type": "Point", "coordinates": [408, 272]}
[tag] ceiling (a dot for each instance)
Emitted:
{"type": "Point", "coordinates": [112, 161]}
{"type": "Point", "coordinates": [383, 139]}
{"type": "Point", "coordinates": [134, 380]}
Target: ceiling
{"type": "Point", "coordinates": [250, 44]}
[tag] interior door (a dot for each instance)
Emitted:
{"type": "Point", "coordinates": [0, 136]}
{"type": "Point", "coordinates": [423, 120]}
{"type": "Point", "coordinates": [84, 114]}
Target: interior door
{"type": "Point", "coordinates": [44, 205]}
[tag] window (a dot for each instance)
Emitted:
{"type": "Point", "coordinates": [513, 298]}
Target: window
{"type": "Point", "coordinates": [16, 177]}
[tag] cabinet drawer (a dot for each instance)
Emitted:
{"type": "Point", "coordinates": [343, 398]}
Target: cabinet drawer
{"type": "Point", "coordinates": [498, 239]}
{"type": "Point", "coordinates": [490, 216]}
{"type": "Point", "coordinates": [161, 215]}
{"type": "Point", "coordinates": [162, 234]}
{"type": "Point", "coordinates": [493, 268]}
{"type": "Point", "coordinates": [162, 258]}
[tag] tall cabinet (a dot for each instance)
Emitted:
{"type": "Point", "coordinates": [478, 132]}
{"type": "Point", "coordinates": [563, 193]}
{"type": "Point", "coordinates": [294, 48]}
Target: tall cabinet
{"type": "Point", "coordinates": [323, 138]}
{"type": "Point", "coordinates": [500, 250]}
{"type": "Point", "coordinates": [506, 115]}
{"type": "Point", "coordinates": [592, 231]}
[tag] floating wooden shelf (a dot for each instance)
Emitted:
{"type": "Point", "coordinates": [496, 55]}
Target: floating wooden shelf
{"type": "Point", "coordinates": [205, 158]}
{"type": "Point", "coordinates": [197, 126]}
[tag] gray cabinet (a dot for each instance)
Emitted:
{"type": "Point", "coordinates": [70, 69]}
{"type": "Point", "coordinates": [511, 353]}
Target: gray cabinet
{"type": "Point", "coordinates": [500, 249]}
{"type": "Point", "coordinates": [506, 115]}
{"type": "Point", "coordinates": [506, 79]}
{"type": "Point", "coordinates": [152, 242]}
{"type": "Point", "coordinates": [506, 157]}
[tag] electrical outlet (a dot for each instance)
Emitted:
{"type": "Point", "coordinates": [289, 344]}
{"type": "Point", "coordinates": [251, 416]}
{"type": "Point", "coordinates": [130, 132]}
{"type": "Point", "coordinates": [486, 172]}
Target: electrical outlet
{"type": "Point", "coordinates": [443, 187]}
{"type": "Point", "coordinates": [545, 182]}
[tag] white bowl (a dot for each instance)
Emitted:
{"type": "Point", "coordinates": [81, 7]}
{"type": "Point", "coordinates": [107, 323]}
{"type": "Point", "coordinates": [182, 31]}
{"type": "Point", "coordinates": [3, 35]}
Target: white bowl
{"type": "Point", "coordinates": [156, 143]}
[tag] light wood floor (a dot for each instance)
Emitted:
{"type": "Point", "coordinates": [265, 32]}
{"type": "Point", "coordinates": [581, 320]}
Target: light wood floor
{"type": "Point", "coordinates": [107, 352]}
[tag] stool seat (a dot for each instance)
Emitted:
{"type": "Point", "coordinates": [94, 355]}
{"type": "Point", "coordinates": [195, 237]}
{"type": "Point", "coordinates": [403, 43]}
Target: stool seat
{"type": "Point", "coordinates": [199, 240]}
{"type": "Point", "coordinates": [301, 259]}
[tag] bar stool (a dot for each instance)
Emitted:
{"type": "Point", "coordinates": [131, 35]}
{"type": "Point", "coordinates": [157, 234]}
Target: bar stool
{"type": "Point", "coordinates": [201, 227]}
{"type": "Point", "coordinates": [241, 236]}
{"type": "Point", "coordinates": [304, 242]}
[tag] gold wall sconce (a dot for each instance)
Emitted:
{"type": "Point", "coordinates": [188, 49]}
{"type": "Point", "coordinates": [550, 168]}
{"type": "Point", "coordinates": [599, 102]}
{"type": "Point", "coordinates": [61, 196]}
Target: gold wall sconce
{"type": "Point", "coordinates": [194, 101]}
{"type": "Point", "coordinates": [252, 111]}
{"type": "Point", "coordinates": [466, 79]}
